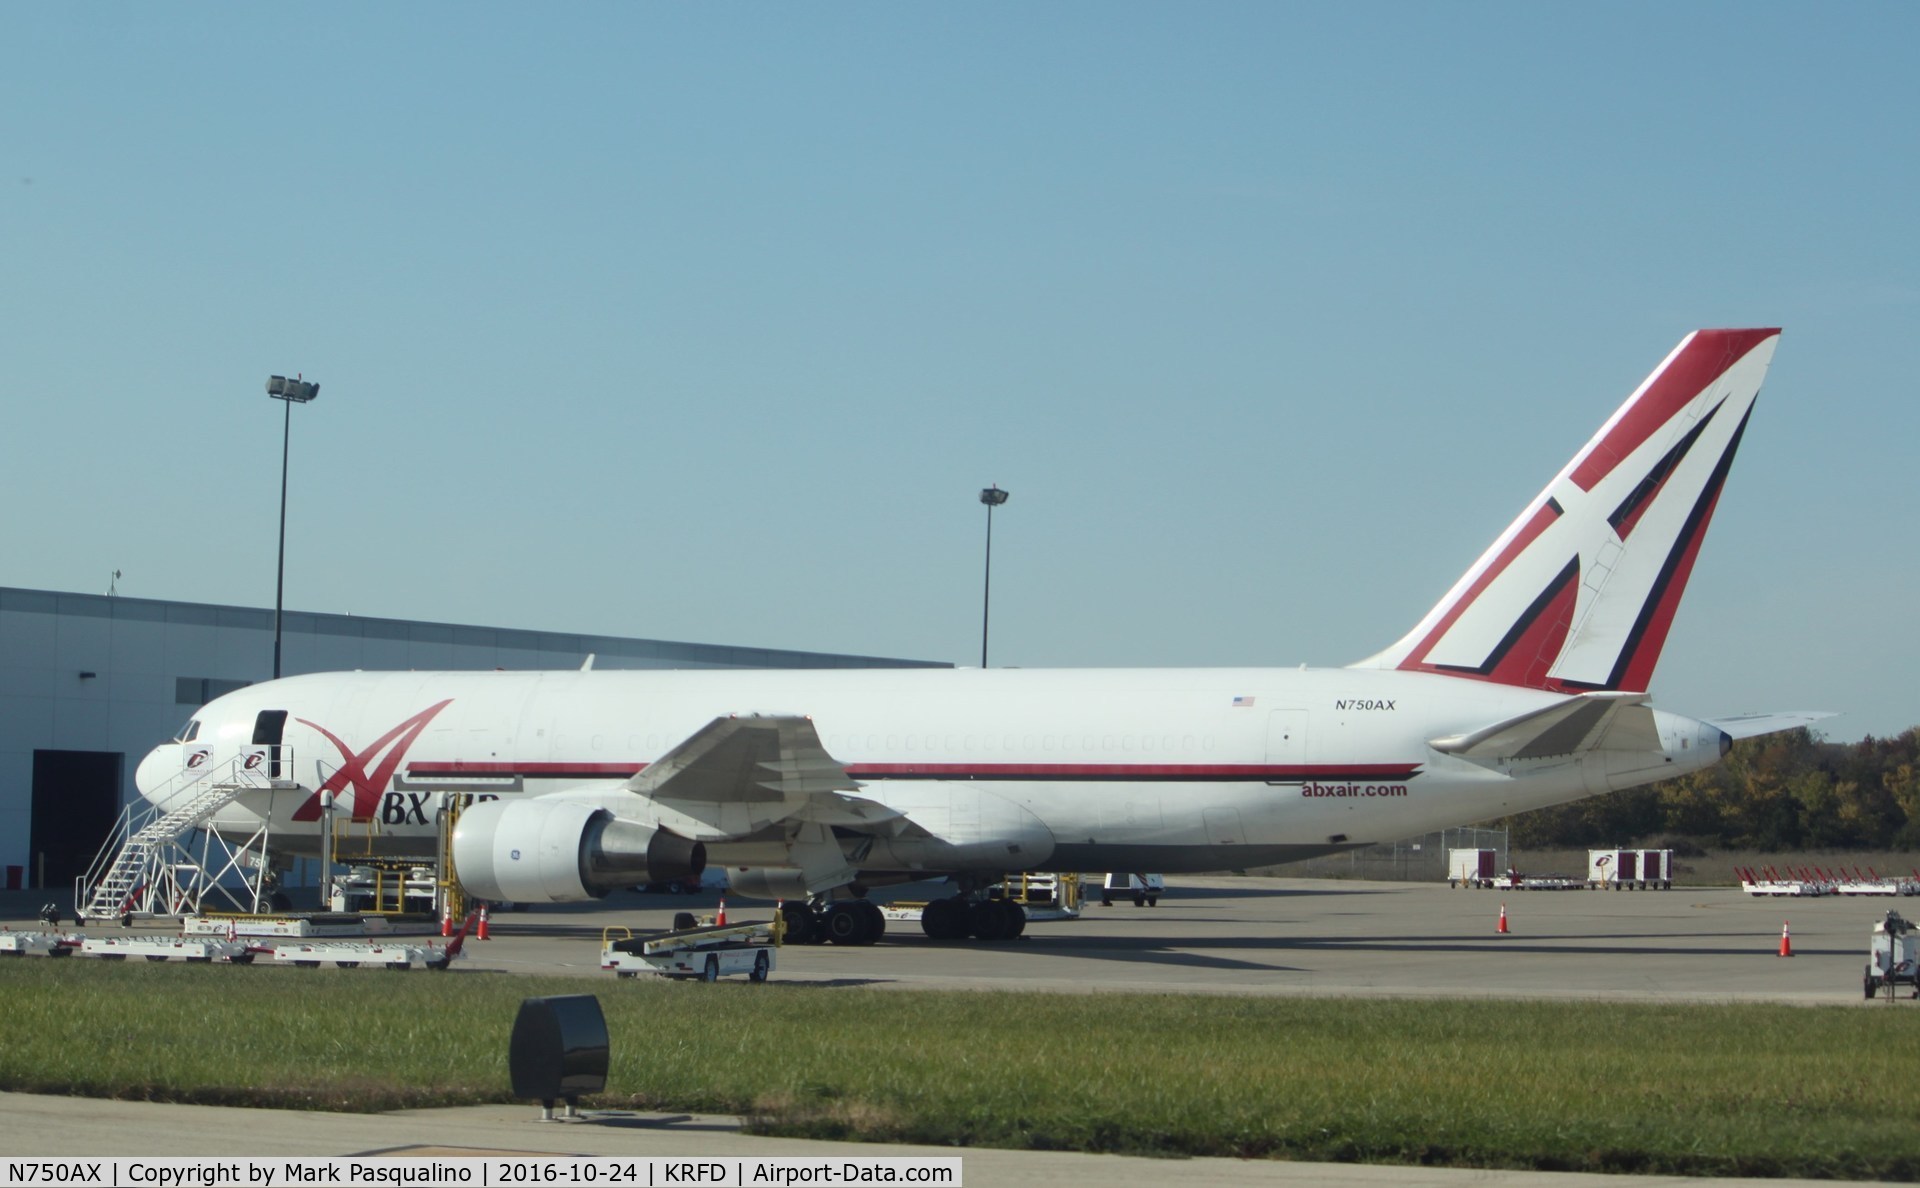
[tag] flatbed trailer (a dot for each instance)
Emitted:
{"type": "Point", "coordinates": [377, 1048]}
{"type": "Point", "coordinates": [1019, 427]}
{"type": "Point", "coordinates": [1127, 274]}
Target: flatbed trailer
{"type": "Point", "coordinates": [1519, 882]}
{"type": "Point", "coordinates": [167, 948]}
{"type": "Point", "coordinates": [43, 944]}
{"type": "Point", "coordinates": [353, 954]}
{"type": "Point", "coordinates": [708, 953]}
{"type": "Point", "coordinates": [305, 925]}
{"type": "Point", "coordinates": [387, 954]}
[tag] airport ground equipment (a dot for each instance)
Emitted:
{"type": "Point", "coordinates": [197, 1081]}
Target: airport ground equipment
{"type": "Point", "coordinates": [1630, 870]}
{"type": "Point", "coordinates": [1768, 881]}
{"type": "Point", "coordinates": [311, 925]}
{"type": "Point", "coordinates": [404, 887]}
{"type": "Point", "coordinates": [1045, 896]}
{"type": "Point", "coordinates": [1820, 880]}
{"type": "Point", "coordinates": [1472, 867]}
{"type": "Point", "coordinates": [1039, 895]}
{"type": "Point", "coordinates": [1893, 957]}
{"type": "Point", "coordinates": [166, 948]}
{"type": "Point", "coordinates": [43, 944]}
{"type": "Point", "coordinates": [354, 954]}
{"type": "Point", "coordinates": [150, 865]}
{"type": "Point", "coordinates": [1144, 889]}
{"type": "Point", "coordinates": [708, 953]}
{"type": "Point", "coordinates": [386, 954]}
{"type": "Point", "coordinates": [1512, 880]}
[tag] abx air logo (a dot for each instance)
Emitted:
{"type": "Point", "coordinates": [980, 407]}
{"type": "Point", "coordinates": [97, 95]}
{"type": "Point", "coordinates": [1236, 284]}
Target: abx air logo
{"type": "Point", "coordinates": [390, 749]}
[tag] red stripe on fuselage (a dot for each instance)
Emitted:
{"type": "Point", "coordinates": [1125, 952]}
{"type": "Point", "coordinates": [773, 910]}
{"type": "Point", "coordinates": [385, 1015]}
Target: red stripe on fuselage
{"type": "Point", "coordinates": [967, 771]}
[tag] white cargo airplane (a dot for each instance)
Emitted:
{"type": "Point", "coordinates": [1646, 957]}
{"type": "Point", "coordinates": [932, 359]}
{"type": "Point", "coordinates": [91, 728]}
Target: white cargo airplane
{"type": "Point", "coordinates": [1524, 687]}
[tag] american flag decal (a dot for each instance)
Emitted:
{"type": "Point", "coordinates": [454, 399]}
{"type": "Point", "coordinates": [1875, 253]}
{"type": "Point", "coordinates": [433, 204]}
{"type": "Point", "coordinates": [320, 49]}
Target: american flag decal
{"type": "Point", "coordinates": [1243, 701]}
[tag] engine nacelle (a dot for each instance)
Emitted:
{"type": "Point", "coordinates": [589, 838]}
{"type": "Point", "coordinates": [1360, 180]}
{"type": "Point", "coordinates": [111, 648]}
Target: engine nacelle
{"type": "Point", "coordinates": [767, 882]}
{"type": "Point", "coordinates": [552, 851]}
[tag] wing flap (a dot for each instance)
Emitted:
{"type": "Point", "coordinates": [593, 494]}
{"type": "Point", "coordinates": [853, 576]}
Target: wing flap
{"type": "Point", "coordinates": [738, 760]}
{"type": "Point", "coordinates": [737, 775]}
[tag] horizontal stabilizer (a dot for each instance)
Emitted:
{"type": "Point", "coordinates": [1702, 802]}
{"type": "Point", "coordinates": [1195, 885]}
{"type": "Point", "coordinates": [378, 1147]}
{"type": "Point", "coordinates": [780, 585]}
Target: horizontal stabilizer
{"type": "Point", "coordinates": [1591, 721]}
{"type": "Point", "coordinates": [1754, 725]}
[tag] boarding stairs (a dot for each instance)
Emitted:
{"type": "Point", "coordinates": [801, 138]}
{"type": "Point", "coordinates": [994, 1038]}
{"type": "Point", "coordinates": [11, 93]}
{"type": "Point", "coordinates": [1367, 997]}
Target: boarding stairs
{"type": "Point", "coordinates": [148, 866]}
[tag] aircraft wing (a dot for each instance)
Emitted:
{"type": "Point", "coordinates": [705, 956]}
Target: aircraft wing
{"type": "Point", "coordinates": [736, 775]}
{"type": "Point", "coordinates": [1752, 725]}
{"type": "Point", "coordinates": [1590, 721]}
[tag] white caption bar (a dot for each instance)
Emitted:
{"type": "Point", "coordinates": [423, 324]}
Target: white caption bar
{"type": "Point", "coordinates": [469, 1172]}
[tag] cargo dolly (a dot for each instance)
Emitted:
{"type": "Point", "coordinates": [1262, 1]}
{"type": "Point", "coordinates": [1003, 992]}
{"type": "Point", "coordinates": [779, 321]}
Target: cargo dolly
{"type": "Point", "coordinates": [708, 953]}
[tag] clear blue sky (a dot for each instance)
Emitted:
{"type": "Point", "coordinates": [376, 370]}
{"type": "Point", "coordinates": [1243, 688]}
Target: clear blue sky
{"type": "Point", "coordinates": [708, 322]}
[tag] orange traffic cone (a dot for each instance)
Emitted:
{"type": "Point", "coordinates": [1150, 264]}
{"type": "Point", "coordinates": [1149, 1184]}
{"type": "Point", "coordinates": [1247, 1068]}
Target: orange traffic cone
{"type": "Point", "coordinates": [446, 922]}
{"type": "Point", "coordinates": [720, 917]}
{"type": "Point", "coordinates": [481, 931]}
{"type": "Point", "coordinates": [1786, 940]}
{"type": "Point", "coordinates": [1502, 929]}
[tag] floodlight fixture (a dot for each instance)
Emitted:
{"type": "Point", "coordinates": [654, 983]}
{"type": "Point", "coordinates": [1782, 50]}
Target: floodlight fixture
{"type": "Point", "coordinates": [993, 497]}
{"type": "Point", "coordinates": [289, 392]}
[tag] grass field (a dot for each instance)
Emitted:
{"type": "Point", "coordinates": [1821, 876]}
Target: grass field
{"type": "Point", "coordinates": [1734, 1089]}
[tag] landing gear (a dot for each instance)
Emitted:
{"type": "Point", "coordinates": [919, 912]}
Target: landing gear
{"type": "Point", "coordinates": [841, 921]}
{"type": "Point", "coordinates": [945, 919]}
{"type": "Point", "coordinates": [854, 922]}
{"type": "Point", "coordinates": [955, 918]}
{"type": "Point", "coordinates": [803, 927]}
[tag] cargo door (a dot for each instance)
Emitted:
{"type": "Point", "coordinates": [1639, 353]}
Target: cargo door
{"type": "Point", "coordinates": [1287, 746]}
{"type": "Point", "coordinates": [269, 729]}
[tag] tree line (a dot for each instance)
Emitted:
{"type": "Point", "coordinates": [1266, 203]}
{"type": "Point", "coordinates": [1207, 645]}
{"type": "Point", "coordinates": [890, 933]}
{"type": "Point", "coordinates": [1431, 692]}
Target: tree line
{"type": "Point", "coordinates": [1786, 791]}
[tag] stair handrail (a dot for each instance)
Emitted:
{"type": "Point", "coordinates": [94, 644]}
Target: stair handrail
{"type": "Point", "coordinates": [138, 816]}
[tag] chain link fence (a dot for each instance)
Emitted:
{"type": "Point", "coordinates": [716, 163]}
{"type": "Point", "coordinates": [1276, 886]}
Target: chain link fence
{"type": "Point", "coordinates": [1415, 859]}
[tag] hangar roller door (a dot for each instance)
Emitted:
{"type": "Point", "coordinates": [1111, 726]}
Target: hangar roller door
{"type": "Point", "coordinates": [76, 799]}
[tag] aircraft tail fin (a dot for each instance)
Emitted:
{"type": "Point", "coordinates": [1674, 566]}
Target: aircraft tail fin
{"type": "Point", "coordinates": [1579, 592]}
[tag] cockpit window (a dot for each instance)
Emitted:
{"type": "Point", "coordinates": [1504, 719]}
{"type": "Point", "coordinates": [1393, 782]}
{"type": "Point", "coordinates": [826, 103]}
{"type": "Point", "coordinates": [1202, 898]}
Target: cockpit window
{"type": "Point", "coordinates": [189, 732]}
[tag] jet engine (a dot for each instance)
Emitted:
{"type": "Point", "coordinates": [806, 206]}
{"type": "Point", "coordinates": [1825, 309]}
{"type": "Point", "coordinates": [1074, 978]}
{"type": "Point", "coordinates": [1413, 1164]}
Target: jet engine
{"type": "Point", "coordinates": [552, 851]}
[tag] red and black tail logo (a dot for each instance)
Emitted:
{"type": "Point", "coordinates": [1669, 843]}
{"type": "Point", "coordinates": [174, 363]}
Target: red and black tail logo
{"type": "Point", "coordinates": [368, 786]}
{"type": "Point", "coordinates": [1580, 592]}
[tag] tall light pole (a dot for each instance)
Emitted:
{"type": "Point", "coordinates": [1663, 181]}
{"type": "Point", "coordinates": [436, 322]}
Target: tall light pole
{"type": "Point", "coordinates": [993, 497]}
{"type": "Point", "coordinates": [289, 392]}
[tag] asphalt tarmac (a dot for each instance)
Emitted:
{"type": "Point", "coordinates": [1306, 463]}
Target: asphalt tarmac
{"type": "Point", "coordinates": [1227, 935]}
{"type": "Point", "coordinates": [1207, 936]}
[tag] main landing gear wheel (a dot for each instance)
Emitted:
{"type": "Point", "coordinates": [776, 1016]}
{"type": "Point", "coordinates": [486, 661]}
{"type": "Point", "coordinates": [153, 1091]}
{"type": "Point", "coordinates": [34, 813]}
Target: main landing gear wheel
{"type": "Point", "coordinates": [945, 919]}
{"type": "Point", "coordinates": [996, 919]}
{"type": "Point", "coordinates": [803, 927]}
{"type": "Point", "coordinates": [854, 922]}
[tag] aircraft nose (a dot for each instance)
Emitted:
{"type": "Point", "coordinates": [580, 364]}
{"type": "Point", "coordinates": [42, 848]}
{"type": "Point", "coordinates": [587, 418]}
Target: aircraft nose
{"type": "Point", "coordinates": [160, 764]}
